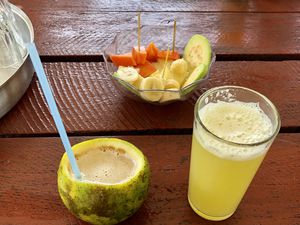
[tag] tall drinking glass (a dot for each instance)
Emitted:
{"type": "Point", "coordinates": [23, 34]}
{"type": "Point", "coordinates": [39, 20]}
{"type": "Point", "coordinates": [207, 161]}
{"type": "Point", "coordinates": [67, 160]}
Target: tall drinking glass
{"type": "Point", "coordinates": [233, 130]}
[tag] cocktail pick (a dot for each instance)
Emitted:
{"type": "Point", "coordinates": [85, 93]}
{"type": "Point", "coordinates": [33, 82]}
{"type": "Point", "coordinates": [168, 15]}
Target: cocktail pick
{"type": "Point", "coordinates": [37, 64]}
{"type": "Point", "coordinates": [139, 31]}
{"type": "Point", "coordinates": [166, 62]}
{"type": "Point", "coordinates": [174, 35]}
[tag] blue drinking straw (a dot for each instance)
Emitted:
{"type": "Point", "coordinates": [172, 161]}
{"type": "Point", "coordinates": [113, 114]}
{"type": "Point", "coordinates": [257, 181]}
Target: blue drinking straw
{"type": "Point", "coordinates": [37, 64]}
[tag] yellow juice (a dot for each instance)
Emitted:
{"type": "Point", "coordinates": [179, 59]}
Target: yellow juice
{"type": "Point", "coordinates": [217, 185]}
{"type": "Point", "coordinates": [220, 173]}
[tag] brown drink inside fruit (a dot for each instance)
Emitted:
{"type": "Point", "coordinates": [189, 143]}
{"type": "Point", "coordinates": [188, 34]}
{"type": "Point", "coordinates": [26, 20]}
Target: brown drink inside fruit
{"type": "Point", "coordinates": [106, 165]}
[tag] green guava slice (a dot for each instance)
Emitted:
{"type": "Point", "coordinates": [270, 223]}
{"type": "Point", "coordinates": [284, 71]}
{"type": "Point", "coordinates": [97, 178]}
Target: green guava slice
{"type": "Point", "coordinates": [197, 51]}
{"type": "Point", "coordinates": [198, 73]}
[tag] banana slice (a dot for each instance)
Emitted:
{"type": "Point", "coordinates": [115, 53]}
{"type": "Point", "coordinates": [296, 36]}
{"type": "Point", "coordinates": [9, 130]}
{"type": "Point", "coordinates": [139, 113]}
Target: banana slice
{"type": "Point", "coordinates": [179, 69]}
{"type": "Point", "coordinates": [159, 65]}
{"type": "Point", "coordinates": [127, 74]}
{"type": "Point", "coordinates": [179, 66]}
{"type": "Point", "coordinates": [171, 83]}
{"type": "Point", "coordinates": [150, 84]}
{"type": "Point", "coordinates": [156, 74]}
{"type": "Point", "coordinates": [167, 74]}
{"type": "Point", "coordinates": [170, 95]}
{"type": "Point", "coordinates": [138, 82]}
{"type": "Point", "coordinates": [162, 69]}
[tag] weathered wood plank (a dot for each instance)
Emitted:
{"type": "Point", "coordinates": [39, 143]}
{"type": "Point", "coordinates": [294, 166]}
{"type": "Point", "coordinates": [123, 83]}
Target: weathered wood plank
{"type": "Point", "coordinates": [161, 5]}
{"type": "Point", "coordinates": [90, 103]}
{"type": "Point", "coordinates": [28, 190]}
{"type": "Point", "coordinates": [64, 32]}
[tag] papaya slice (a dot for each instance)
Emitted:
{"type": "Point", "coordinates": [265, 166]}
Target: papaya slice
{"type": "Point", "coordinates": [139, 56]}
{"type": "Point", "coordinates": [123, 59]}
{"type": "Point", "coordinates": [147, 69]}
{"type": "Point", "coordinates": [152, 52]}
{"type": "Point", "coordinates": [173, 55]}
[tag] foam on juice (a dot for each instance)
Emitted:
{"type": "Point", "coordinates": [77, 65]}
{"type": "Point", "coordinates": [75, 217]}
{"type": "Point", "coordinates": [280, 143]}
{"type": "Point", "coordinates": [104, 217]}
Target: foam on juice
{"type": "Point", "coordinates": [109, 166]}
{"type": "Point", "coordinates": [237, 122]}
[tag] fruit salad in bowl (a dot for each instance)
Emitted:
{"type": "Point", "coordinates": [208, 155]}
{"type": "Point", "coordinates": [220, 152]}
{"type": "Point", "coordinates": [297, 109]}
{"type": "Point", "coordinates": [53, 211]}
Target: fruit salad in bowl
{"type": "Point", "coordinates": [154, 72]}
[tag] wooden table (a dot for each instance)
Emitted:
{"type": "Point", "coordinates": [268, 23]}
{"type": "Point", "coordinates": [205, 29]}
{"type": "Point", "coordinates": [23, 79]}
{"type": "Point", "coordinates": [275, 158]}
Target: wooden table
{"type": "Point", "coordinates": [257, 45]}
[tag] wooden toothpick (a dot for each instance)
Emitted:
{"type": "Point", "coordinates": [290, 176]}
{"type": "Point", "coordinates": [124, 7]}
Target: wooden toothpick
{"type": "Point", "coordinates": [166, 61]}
{"type": "Point", "coordinates": [174, 34]}
{"type": "Point", "coordinates": [139, 31]}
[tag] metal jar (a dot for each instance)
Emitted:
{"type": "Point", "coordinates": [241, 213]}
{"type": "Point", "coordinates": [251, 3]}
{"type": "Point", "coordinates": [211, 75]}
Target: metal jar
{"type": "Point", "coordinates": [15, 86]}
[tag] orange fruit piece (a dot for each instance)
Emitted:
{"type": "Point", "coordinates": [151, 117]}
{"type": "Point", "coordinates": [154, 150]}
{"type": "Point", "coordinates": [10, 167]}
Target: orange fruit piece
{"type": "Point", "coordinates": [152, 52]}
{"type": "Point", "coordinates": [147, 69]}
{"type": "Point", "coordinates": [139, 55]}
{"type": "Point", "coordinates": [123, 60]}
{"type": "Point", "coordinates": [173, 55]}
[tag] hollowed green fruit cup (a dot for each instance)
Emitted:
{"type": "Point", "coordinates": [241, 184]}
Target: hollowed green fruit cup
{"type": "Point", "coordinates": [98, 203]}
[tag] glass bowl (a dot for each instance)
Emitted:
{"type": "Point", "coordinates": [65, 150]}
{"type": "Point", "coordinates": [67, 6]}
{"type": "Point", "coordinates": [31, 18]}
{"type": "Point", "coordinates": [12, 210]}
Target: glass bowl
{"type": "Point", "coordinates": [162, 38]}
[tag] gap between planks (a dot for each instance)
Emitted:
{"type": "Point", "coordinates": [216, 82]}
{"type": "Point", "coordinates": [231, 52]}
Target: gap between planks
{"type": "Point", "coordinates": [219, 57]}
{"type": "Point", "coordinates": [187, 131]}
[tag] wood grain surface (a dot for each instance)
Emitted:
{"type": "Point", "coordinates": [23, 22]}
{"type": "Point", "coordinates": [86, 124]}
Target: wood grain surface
{"type": "Point", "coordinates": [69, 32]}
{"type": "Point", "coordinates": [161, 5]}
{"type": "Point", "coordinates": [91, 104]}
{"type": "Point", "coordinates": [28, 190]}
{"type": "Point", "coordinates": [71, 35]}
